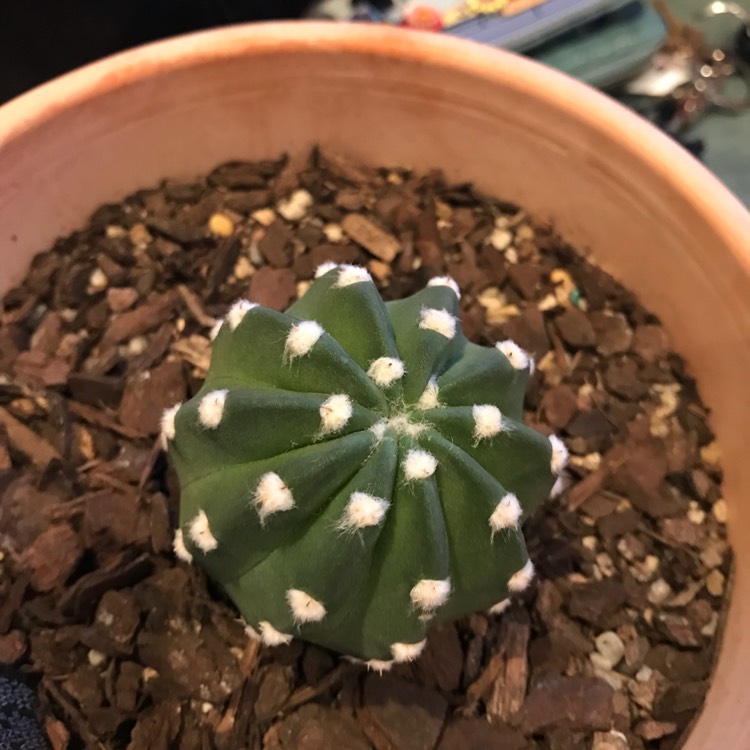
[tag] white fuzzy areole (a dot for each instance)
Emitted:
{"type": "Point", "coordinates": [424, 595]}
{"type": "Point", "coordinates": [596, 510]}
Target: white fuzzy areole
{"type": "Point", "coordinates": [488, 421]}
{"type": "Point", "coordinates": [349, 274]}
{"type": "Point", "coordinates": [324, 268]}
{"type": "Point", "coordinates": [335, 412]}
{"type": "Point", "coordinates": [252, 633]}
{"type": "Point", "coordinates": [407, 651]}
{"type": "Point", "coordinates": [378, 665]}
{"type": "Point", "coordinates": [178, 545]}
{"type": "Point", "coordinates": [272, 495]}
{"type": "Point", "coordinates": [440, 321]}
{"type": "Point", "coordinates": [272, 637]}
{"type": "Point", "coordinates": [500, 607]}
{"type": "Point", "coordinates": [430, 395]}
{"type": "Point", "coordinates": [363, 510]}
{"type": "Point", "coordinates": [200, 533]}
{"type": "Point", "coordinates": [304, 607]}
{"type": "Point", "coordinates": [301, 338]}
{"type": "Point", "coordinates": [419, 464]}
{"type": "Point", "coordinates": [379, 428]}
{"type": "Point", "coordinates": [211, 409]}
{"type": "Point", "coordinates": [517, 357]}
{"type": "Point", "coordinates": [215, 328]}
{"type": "Point", "coordinates": [558, 487]}
{"type": "Point", "coordinates": [167, 425]}
{"type": "Point", "coordinates": [430, 593]}
{"type": "Point", "coordinates": [385, 371]}
{"type": "Point", "coordinates": [506, 514]}
{"type": "Point", "coordinates": [559, 455]}
{"type": "Point", "coordinates": [445, 281]}
{"type": "Point", "coordinates": [521, 579]}
{"type": "Point", "coordinates": [237, 312]}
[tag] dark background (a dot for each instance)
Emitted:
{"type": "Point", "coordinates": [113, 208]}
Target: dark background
{"type": "Point", "coordinates": [40, 39]}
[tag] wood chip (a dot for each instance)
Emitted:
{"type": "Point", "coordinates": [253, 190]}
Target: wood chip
{"type": "Point", "coordinates": [35, 448]}
{"type": "Point", "coordinates": [368, 234]}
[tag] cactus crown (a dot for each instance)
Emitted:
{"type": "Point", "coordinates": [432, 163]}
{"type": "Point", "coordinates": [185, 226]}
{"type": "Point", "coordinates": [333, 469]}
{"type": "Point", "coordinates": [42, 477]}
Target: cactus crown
{"type": "Point", "coordinates": [353, 470]}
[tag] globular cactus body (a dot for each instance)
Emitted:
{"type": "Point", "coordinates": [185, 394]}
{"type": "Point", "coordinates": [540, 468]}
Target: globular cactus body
{"type": "Point", "coordinates": [353, 471]}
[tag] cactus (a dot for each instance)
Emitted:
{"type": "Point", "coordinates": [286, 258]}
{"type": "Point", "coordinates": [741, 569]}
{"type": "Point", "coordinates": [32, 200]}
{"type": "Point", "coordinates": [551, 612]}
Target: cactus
{"type": "Point", "coordinates": [353, 471]}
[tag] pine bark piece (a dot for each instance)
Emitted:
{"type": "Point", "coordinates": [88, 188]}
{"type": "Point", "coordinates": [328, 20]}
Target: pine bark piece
{"type": "Point", "coordinates": [509, 688]}
{"type": "Point", "coordinates": [375, 240]}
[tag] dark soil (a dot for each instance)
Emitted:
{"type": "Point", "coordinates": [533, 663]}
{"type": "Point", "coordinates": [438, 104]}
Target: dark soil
{"type": "Point", "coordinates": [611, 648]}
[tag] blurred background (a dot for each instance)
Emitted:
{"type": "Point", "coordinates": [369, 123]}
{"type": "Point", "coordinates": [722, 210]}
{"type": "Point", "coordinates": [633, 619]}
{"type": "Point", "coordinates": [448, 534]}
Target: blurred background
{"type": "Point", "coordinates": [683, 64]}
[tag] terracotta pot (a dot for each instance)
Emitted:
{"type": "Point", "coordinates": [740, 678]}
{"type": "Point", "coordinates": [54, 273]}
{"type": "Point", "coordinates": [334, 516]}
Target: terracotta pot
{"type": "Point", "coordinates": [647, 211]}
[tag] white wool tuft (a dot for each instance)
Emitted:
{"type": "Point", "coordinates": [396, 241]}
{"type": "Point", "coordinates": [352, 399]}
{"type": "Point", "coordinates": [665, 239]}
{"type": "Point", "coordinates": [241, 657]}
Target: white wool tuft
{"type": "Point", "coordinates": [386, 370]}
{"type": "Point", "coordinates": [379, 428]}
{"type": "Point", "coordinates": [407, 651]}
{"type": "Point", "coordinates": [488, 421]}
{"type": "Point", "coordinates": [445, 281]}
{"type": "Point", "coordinates": [301, 338]}
{"type": "Point", "coordinates": [558, 487]}
{"type": "Point", "coordinates": [295, 206]}
{"type": "Point", "coordinates": [507, 513]}
{"type": "Point", "coordinates": [522, 578]}
{"type": "Point", "coordinates": [379, 666]}
{"type": "Point", "coordinates": [272, 495]}
{"type": "Point", "coordinates": [430, 395]}
{"type": "Point", "coordinates": [304, 607]}
{"type": "Point", "coordinates": [324, 268]}
{"type": "Point", "coordinates": [178, 545]}
{"type": "Point", "coordinates": [440, 321]}
{"type": "Point", "coordinates": [335, 412]}
{"type": "Point", "coordinates": [500, 607]}
{"type": "Point", "coordinates": [517, 357]}
{"type": "Point", "coordinates": [363, 510]}
{"type": "Point", "coordinates": [167, 425]}
{"type": "Point", "coordinates": [238, 311]}
{"type": "Point", "coordinates": [429, 594]}
{"type": "Point", "coordinates": [559, 455]}
{"type": "Point", "coordinates": [272, 637]}
{"type": "Point", "coordinates": [215, 328]}
{"type": "Point", "coordinates": [419, 464]}
{"type": "Point", "coordinates": [252, 633]}
{"type": "Point", "coordinates": [200, 533]}
{"type": "Point", "coordinates": [349, 275]}
{"type": "Point", "coordinates": [211, 409]}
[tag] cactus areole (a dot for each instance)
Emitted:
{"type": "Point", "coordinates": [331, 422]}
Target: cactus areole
{"type": "Point", "coordinates": [354, 471]}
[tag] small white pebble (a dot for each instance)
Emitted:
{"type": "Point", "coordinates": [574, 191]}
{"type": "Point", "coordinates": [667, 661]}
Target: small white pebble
{"type": "Point", "coordinates": [264, 216]}
{"type": "Point", "coordinates": [506, 514]}
{"type": "Point", "coordinates": [407, 651]}
{"type": "Point", "coordinates": [301, 338]}
{"type": "Point", "coordinates": [363, 510]}
{"type": "Point", "coordinates": [590, 543]}
{"type": "Point", "coordinates": [547, 303]}
{"type": "Point", "coordinates": [429, 594]}
{"type": "Point", "coordinates": [335, 412]}
{"type": "Point", "coordinates": [272, 495]}
{"type": "Point", "coordinates": [221, 225]}
{"type": "Point", "coordinates": [488, 421]}
{"type": "Point", "coordinates": [304, 607]}
{"type": "Point", "coordinates": [522, 578]}
{"type": "Point", "coordinates": [272, 637]}
{"type": "Point", "coordinates": [137, 345]}
{"type": "Point", "coordinates": [659, 591]}
{"type": "Point", "coordinates": [709, 629]}
{"type": "Point", "coordinates": [644, 674]}
{"type": "Point", "coordinates": [378, 665]}
{"type": "Point", "coordinates": [243, 268]}
{"type": "Point", "coordinates": [720, 511]}
{"type": "Point", "coordinates": [238, 311]}
{"type": "Point", "coordinates": [429, 397]}
{"type": "Point", "coordinates": [167, 425]}
{"type": "Point", "coordinates": [180, 550]}
{"type": "Point", "coordinates": [207, 707]}
{"type": "Point", "coordinates": [500, 607]}
{"type": "Point", "coordinates": [500, 239]}
{"type": "Point", "coordinates": [349, 275]}
{"type": "Point", "coordinates": [385, 371]}
{"type": "Point", "coordinates": [611, 647]}
{"type": "Point", "coordinates": [696, 515]}
{"type": "Point", "coordinates": [324, 268]}
{"type": "Point", "coordinates": [445, 281]}
{"type": "Point", "coordinates": [419, 464]}
{"type": "Point", "coordinates": [98, 281]}
{"type": "Point", "coordinates": [511, 255]}
{"type": "Point", "coordinates": [296, 205]}
{"type": "Point", "coordinates": [439, 321]}
{"type": "Point", "coordinates": [211, 408]}
{"type": "Point", "coordinates": [334, 233]}
{"type": "Point", "coordinates": [605, 565]}
{"type": "Point", "coordinates": [559, 455]}
{"type": "Point", "coordinates": [200, 533]}
{"type": "Point", "coordinates": [517, 357]}
{"type": "Point", "coordinates": [96, 658]}
{"type": "Point", "coordinates": [715, 583]}
{"type": "Point", "coordinates": [148, 674]}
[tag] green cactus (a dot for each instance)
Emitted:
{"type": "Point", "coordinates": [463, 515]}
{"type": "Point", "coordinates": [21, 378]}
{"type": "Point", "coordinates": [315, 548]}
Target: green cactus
{"type": "Point", "coordinates": [353, 471]}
